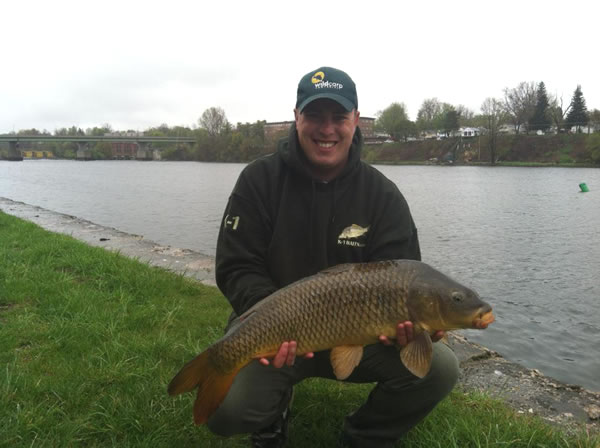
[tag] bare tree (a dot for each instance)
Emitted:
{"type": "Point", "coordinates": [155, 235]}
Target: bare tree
{"type": "Point", "coordinates": [429, 112]}
{"type": "Point", "coordinates": [464, 112]}
{"type": "Point", "coordinates": [558, 112]}
{"type": "Point", "coordinates": [214, 121]}
{"type": "Point", "coordinates": [519, 103]}
{"type": "Point", "coordinates": [494, 113]}
{"type": "Point", "coordinates": [430, 108]}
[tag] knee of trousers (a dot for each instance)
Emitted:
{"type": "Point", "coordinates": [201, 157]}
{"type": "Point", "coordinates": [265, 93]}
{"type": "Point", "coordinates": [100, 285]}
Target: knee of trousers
{"type": "Point", "coordinates": [239, 416]}
{"type": "Point", "coordinates": [444, 370]}
{"type": "Point", "coordinates": [230, 420]}
{"type": "Point", "coordinates": [227, 422]}
{"type": "Point", "coordinates": [440, 380]}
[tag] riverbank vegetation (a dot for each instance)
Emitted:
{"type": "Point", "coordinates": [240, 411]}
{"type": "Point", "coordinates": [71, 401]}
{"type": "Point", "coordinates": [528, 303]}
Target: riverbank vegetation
{"type": "Point", "coordinates": [573, 150]}
{"type": "Point", "coordinates": [89, 339]}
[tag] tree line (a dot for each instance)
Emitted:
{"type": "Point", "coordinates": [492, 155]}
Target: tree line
{"type": "Point", "coordinates": [217, 140]}
{"type": "Point", "coordinates": [526, 108]}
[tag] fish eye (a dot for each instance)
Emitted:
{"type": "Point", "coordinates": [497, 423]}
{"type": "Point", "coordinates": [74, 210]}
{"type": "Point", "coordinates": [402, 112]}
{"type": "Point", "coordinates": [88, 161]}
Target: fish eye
{"type": "Point", "coordinates": [457, 297]}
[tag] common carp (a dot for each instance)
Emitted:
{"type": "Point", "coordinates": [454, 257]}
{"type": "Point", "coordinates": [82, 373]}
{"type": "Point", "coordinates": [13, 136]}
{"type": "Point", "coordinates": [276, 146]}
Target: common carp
{"type": "Point", "coordinates": [342, 308]}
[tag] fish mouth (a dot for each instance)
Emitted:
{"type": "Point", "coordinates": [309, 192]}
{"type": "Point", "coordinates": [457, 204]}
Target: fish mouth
{"type": "Point", "coordinates": [484, 318]}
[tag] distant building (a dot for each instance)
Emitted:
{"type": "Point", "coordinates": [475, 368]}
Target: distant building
{"type": "Point", "coordinates": [511, 129]}
{"type": "Point", "coordinates": [124, 150]}
{"type": "Point", "coordinates": [468, 132]}
{"type": "Point", "coordinates": [367, 125]}
{"type": "Point", "coordinates": [276, 129]}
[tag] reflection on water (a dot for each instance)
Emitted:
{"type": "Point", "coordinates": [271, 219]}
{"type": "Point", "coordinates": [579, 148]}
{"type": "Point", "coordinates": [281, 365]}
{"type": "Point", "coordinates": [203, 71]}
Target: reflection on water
{"type": "Point", "coordinates": [525, 238]}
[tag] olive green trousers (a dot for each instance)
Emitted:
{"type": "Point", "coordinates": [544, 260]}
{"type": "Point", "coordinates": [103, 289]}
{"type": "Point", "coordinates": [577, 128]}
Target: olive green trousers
{"type": "Point", "coordinates": [399, 400]}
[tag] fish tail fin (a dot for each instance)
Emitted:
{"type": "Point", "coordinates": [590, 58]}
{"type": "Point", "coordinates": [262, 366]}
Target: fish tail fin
{"type": "Point", "coordinates": [211, 393]}
{"type": "Point", "coordinates": [190, 375]}
{"type": "Point", "coordinates": [212, 385]}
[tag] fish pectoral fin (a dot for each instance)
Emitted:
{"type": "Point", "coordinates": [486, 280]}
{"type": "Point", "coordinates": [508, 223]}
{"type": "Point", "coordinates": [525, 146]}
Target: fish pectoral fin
{"type": "Point", "coordinates": [344, 359]}
{"type": "Point", "coordinates": [445, 339]}
{"type": "Point", "coordinates": [417, 355]}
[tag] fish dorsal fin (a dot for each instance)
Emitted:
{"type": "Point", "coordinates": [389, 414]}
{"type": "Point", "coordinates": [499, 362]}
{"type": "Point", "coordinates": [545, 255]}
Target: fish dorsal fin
{"type": "Point", "coordinates": [337, 268]}
{"type": "Point", "coordinates": [344, 359]}
{"type": "Point", "coordinates": [246, 315]}
{"type": "Point", "coordinates": [417, 355]}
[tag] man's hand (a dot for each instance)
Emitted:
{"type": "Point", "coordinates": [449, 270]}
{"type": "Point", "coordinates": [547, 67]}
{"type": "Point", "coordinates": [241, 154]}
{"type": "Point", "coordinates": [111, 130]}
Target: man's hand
{"type": "Point", "coordinates": [405, 335]}
{"type": "Point", "coordinates": [286, 355]}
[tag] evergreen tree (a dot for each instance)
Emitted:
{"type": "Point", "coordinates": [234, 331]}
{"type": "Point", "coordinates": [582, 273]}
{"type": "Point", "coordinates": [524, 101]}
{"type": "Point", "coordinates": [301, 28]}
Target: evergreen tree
{"type": "Point", "coordinates": [540, 120]}
{"type": "Point", "coordinates": [450, 123]}
{"type": "Point", "coordinates": [578, 115]}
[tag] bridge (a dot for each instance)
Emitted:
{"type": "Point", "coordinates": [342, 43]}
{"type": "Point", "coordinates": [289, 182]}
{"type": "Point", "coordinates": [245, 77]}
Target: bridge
{"type": "Point", "coordinates": [83, 143]}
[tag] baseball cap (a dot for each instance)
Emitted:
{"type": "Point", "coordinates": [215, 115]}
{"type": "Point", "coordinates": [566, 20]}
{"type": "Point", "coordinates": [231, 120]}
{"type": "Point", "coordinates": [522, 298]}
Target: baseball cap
{"type": "Point", "coordinates": [327, 82]}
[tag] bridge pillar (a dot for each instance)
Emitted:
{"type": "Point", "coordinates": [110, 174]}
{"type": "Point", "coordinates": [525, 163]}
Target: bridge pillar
{"type": "Point", "coordinates": [156, 155]}
{"type": "Point", "coordinates": [83, 151]}
{"type": "Point", "coordinates": [143, 152]}
{"type": "Point", "coordinates": [13, 152]}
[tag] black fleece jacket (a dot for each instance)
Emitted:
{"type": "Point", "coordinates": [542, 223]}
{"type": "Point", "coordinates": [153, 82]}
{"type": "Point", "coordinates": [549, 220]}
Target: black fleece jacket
{"type": "Point", "coordinates": [281, 224]}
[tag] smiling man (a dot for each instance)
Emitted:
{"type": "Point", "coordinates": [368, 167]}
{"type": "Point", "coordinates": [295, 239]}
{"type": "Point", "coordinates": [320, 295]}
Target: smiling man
{"type": "Point", "coordinates": [325, 130]}
{"type": "Point", "coordinates": [311, 205]}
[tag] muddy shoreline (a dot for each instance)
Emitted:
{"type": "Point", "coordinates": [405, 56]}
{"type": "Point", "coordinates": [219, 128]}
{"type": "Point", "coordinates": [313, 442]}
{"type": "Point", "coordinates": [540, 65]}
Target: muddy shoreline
{"type": "Point", "coordinates": [528, 391]}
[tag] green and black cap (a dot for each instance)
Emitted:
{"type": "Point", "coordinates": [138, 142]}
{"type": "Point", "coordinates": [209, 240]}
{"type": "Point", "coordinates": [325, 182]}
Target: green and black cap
{"type": "Point", "coordinates": [327, 82]}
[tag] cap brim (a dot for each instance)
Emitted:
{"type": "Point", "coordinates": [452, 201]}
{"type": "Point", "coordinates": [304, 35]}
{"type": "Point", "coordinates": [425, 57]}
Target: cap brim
{"type": "Point", "coordinates": [347, 104]}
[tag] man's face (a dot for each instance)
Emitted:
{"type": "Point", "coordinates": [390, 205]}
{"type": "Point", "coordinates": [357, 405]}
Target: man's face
{"type": "Point", "coordinates": [325, 131]}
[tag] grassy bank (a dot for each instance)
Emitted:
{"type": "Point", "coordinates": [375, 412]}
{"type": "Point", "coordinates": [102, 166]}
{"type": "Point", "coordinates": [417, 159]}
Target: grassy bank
{"type": "Point", "coordinates": [569, 150]}
{"type": "Point", "coordinates": [89, 339]}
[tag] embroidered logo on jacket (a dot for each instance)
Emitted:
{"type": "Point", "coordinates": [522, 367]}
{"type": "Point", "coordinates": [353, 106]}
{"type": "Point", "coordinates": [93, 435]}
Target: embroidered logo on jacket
{"type": "Point", "coordinates": [352, 236]}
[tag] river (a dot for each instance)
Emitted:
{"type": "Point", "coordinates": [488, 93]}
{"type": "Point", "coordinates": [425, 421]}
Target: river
{"type": "Point", "coordinates": [526, 239]}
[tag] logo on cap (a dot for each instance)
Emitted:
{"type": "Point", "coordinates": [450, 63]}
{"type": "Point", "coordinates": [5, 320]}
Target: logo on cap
{"type": "Point", "coordinates": [318, 77]}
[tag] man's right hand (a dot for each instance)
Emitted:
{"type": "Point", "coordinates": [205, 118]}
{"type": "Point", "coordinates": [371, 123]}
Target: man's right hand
{"type": "Point", "coordinates": [286, 355]}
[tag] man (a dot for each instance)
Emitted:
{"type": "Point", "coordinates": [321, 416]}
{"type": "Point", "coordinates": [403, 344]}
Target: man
{"type": "Point", "coordinates": [311, 205]}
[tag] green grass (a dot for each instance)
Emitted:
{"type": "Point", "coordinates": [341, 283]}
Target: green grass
{"type": "Point", "coordinates": [89, 340]}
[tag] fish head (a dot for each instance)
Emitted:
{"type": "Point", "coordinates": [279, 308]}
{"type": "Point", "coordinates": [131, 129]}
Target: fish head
{"type": "Point", "coordinates": [438, 302]}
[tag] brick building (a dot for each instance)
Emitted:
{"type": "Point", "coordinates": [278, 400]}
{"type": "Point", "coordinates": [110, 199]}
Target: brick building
{"type": "Point", "coordinates": [124, 150]}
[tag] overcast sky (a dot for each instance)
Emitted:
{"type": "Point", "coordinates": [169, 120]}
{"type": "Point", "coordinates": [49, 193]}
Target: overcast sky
{"type": "Point", "coordinates": [135, 64]}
